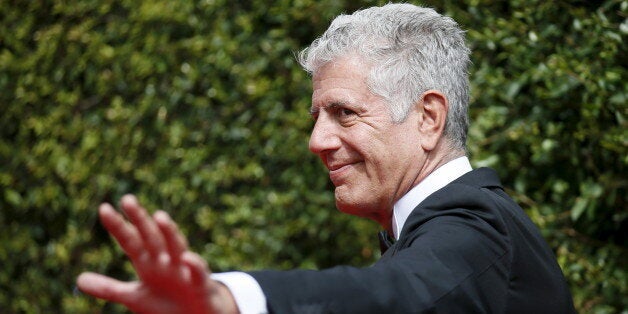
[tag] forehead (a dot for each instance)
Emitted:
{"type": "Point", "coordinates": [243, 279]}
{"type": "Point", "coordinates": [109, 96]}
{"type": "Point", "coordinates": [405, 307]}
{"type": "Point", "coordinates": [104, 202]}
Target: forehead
{"type": "Point", "coordinates": [342, 78]}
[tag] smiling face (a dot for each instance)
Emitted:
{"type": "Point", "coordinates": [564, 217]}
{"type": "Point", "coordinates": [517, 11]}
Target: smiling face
{"type": "Point", "coordinates": [372, 161]}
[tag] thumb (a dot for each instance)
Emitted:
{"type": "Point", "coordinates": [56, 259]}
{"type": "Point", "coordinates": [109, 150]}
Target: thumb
{"type": "Point", "coordinates": [109, 289]}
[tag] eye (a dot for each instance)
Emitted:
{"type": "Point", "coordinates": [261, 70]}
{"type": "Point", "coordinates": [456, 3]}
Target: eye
{"type": "Point", "coordinates": [345, 115]}
{"type": "Point", "coordinates": [344, 112]}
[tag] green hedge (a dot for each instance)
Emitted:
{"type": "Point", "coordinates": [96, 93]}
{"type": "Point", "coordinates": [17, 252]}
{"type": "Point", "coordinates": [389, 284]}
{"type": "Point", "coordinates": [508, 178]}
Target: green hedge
{"type": "Point", "coordinates": [199, 108]}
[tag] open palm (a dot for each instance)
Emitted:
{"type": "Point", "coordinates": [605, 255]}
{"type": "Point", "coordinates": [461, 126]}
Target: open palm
{"type": "Point", "coordinates": [172, 279]}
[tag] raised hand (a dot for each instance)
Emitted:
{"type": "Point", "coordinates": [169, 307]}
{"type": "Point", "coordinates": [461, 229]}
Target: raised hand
{"type": "Point", "coordinates": [172, 279]}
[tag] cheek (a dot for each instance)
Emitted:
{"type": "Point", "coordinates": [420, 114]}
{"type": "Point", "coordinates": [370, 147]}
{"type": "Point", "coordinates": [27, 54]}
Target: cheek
{"type": "Point", "coordinates": [379, 150]}
{"type": "Point", "coordinates": [381, 167]}
{"type": "Point", "coordinates": [389, 162]}
{"type": "Point", "coordinates": [383, 153]}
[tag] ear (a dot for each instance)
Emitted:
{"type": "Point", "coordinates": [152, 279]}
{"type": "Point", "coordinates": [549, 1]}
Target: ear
{"type": "Point", "coordinates": [434, 107]}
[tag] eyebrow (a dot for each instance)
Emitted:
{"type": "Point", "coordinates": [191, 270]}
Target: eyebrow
{"type": "Point", "coordinates": [332, 105]}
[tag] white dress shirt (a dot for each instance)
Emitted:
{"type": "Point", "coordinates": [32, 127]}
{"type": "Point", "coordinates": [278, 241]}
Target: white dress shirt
{"type": "Point", "coordinates": [435, 181]}
{"type": "Point", "coordinates": [247, 292]}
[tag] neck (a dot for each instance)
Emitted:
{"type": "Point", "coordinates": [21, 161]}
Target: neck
{"type": "Point", "coordinates": [434, 159]}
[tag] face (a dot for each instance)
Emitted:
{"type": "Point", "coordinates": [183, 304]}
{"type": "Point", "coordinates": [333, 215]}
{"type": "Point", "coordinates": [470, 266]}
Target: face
{"type": "Point", "coordinates": [372, 161]}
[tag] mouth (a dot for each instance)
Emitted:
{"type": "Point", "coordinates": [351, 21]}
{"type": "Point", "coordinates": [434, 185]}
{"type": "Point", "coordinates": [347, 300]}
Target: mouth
{"type": "Point", "coordinates": [336, 167]}
{"type": "Point", "coordinates": [337, 172]}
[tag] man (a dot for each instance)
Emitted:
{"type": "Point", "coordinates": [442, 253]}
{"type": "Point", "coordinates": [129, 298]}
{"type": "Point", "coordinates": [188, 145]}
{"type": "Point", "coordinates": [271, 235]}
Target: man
{"type": "Point", "coordinates": [390, 96]}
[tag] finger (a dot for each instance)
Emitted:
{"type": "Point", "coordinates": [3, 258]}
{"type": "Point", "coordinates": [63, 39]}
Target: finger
{"type": "Point", "coordinates": [125, 234]}
{"type": "Point", "coordinates": [199, 272]}
{"type": "Point", "coordinates": [146, 226]}
{"type": "Point", "coordinates": [175, 240]}
{"type": "Point", "coordinates": [107, 288]}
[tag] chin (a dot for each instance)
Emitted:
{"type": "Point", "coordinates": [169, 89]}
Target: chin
{"type": "Point", "coordinates": [347, 206]}
{"type": "Point", "coordinates": [358, 209]}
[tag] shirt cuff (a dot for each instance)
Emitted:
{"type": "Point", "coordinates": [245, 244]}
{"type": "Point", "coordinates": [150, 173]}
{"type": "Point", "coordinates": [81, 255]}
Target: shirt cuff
{"type": "Point", "coordinates": [247, 293]}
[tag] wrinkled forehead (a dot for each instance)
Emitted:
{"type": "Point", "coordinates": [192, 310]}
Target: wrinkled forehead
{"type": "Point", "coordinates": [347, 59]}
{"type": "Point", "coordinates": [339, 79]}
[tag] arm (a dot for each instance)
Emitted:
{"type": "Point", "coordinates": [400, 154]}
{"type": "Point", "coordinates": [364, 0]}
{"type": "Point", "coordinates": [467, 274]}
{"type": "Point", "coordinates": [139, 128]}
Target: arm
{"type": "Point", "coordinates": [450, 265]}
{"type": "Point", "coordinates": [172, 279]}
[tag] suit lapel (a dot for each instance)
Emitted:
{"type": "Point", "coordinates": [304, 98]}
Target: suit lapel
{"type": "Point", "coordinates": [478, 178]}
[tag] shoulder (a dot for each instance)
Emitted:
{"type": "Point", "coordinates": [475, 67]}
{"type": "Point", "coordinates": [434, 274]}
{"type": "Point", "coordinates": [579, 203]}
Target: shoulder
{"type": "Point", "coordinates": [476, 201]}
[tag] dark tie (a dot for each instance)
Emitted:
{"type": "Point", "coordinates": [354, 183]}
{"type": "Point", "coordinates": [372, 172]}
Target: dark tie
{"type": "Point", "coordinates": [385, 242]}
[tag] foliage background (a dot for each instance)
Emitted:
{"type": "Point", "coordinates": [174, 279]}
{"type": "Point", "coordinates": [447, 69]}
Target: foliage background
{"type": "Point", "coordinates": [199, 108]}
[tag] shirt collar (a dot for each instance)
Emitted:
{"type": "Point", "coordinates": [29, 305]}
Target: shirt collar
{"type": "Point", "coordinates": [432, 183]}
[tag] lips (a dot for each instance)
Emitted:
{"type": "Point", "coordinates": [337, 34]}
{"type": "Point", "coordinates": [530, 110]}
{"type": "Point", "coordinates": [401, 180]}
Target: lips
{"type": "Point", "coordinates": [335, 167]}
{"type": "Point", "coordinates": [338, 171]}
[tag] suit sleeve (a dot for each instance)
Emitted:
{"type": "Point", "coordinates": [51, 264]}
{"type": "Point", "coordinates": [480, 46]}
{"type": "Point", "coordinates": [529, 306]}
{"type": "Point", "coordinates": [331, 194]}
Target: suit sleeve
{"type": "Point", "coordinates": [443, 266]}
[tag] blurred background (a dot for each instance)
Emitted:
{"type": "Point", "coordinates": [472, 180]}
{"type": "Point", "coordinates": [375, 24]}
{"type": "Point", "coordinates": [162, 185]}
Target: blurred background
{"type": "Point", "coordinates": [200, 109]}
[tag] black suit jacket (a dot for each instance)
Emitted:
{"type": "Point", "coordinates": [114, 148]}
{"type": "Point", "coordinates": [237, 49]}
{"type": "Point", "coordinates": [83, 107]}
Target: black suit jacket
{"type": "Point", "coordinates": [467, 248]}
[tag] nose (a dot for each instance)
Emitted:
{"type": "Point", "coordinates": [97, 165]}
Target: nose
{"type": "Point", "coordinates": [323, 137]}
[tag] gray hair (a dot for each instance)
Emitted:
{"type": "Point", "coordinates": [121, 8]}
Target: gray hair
{"type": "Point", "coordinates": [411, 50]}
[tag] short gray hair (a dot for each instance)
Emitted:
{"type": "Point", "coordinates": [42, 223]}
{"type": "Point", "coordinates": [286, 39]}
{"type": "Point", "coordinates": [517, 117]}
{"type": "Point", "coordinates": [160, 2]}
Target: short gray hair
{"type": "Point", "coordinates": [411, 49]}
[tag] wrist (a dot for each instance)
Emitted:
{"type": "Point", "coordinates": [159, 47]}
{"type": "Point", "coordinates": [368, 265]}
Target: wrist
{"type": "Point", "coordinates": [222, 299]}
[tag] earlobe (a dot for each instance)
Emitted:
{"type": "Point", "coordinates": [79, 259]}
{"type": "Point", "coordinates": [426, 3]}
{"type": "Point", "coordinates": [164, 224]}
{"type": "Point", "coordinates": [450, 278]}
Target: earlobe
{"type": "Point", "coordinates": [434, 107]}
